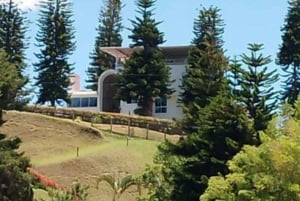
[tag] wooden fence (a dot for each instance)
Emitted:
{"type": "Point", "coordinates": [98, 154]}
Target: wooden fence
{"type": "Point", "coordinates": [156, 124]}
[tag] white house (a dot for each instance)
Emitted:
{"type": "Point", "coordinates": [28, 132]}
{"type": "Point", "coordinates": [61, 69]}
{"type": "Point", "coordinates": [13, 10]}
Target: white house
{"type": "Point", "coordinates": [175, 57]}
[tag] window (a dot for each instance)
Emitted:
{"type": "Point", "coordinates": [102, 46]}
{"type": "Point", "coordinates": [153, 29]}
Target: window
{"type": "Point", "coordinates": [161, 105]}
{"type": "Point", "coordinates": [84, 102]}
{"type": "Point", "coordinates": [75, 102]}
{"type": "Point", "coordinates": [93, 102]}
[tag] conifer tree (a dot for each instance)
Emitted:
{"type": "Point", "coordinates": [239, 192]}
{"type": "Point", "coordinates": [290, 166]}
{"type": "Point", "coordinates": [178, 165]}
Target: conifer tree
{"type": "Point", "coordinates": [14, 179]}
{"type": "Point", "coordinates": [257, 87]}
{"type": "Point", "coordinates": [55, 40]}
{"type": "Point", "coordinates": [288, 55]}
{"type": "Point", "coordinates": [13, 27]}
{"type": "Point", "coordinates": [145, 75]}
{"type": "Point", "coordinates": [206, 65]}
{"type": "Point", "coordinates": [223, 130]}
{"type": "Point", "coordinates": [109, 29]}
{"type": "Point", "coordinates": [9, 81]}
{"type": "Point", "coordinates": [217, 126]}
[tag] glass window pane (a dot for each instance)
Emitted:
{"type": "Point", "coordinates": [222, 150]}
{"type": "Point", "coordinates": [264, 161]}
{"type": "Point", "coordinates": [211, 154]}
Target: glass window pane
{"type": "Point", "coordinates": [75, 102]}
{"type": "Point", "coordinates": [160, 105]}
{"type": "Point", "coordinates": [157, 102]}
{"type": "Point", "coordinates": [163, 102]}
{"type": "Point", "coordinates": [84, 102]}
{"type": "Point", "coordinates": [93, 102]}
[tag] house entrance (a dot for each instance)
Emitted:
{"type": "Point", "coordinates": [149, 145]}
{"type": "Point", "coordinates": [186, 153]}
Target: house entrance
{"type": "Point", "coordinates": [109, 102]}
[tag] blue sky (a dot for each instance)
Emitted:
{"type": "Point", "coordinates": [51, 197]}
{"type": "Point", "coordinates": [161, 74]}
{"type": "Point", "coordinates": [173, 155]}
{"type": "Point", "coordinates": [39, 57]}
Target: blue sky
{"type": "Point", "coordinates": [246, 21]}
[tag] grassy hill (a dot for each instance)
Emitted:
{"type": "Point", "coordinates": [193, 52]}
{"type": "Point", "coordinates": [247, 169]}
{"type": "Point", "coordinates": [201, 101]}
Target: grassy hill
{"type": "Point", "coordinates": [52, 145]}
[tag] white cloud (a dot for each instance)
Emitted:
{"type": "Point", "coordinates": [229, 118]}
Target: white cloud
{"type": "Point", "coordinates": [24, 4]}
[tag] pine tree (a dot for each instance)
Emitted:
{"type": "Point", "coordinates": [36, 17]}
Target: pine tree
{"type": "Point", "coordinates": [217, 126]}
{"type": "Point", "coordinates": [223, 130]}
{"type": "Point", "coordinates": [288, 55]}
{"type": "Point", "coordinates": [55, 40]}
{"type": "Point", "coordinates": [257, 87]}
{"type": "Point", "coordinates": [15, 181]}
{"type": "Point", "coordinates": [145, 75]}
{"type": "Point", "coordinates": [206, 65]}
{"type": "Point", "coordinates": [9, 81]}
{"type": "Point", "coordinates": [13, 27]}
{"type": "Point", "coordinates": [109, 29]}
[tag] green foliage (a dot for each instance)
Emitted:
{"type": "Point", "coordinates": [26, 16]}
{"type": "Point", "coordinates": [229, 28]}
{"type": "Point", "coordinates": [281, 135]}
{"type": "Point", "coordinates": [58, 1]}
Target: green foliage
{"type": "Point", "coordinates": [13, 41]}
{"type": "Point", "coordinates": [145, 75]}
{"type": "Point", "coordinates": [55, 40]}
{"type": "Point", "coordinates": [288, 55]}
{"type": "Point", "coordinates": [15, 181]}
{"type": "Point", "coordinates": [268, 172]}
{"type": "Point", "coordinates": [118, 185]}
{"type": "Point", "coordinates": [256, 87]}
{"type": "Point", "coordinates": [223, 130]}
{"type": "Point", "coordinates": [157, 189]}
{"type": "Point", "coordinates": [77, 192]}
{"type": "Point", "coordinates": [9, 82]}
{"type": "Point", "coordinates": [206, 65]}
{"type": "Point", "coordinates": [109, 35]}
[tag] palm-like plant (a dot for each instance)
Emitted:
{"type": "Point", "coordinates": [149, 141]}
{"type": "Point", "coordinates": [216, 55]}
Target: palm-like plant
{"type": "Point", "coordinates": [119, 185]}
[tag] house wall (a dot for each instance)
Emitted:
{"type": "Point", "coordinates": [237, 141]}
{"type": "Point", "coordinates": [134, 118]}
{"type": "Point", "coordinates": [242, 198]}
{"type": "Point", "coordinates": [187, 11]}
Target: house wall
{"type": "Point", "coordinates": [127, 108]}
{"type": "Point", "coordinates": [176, 61]}
{"type": "Point", "coordinates": [173, 109]}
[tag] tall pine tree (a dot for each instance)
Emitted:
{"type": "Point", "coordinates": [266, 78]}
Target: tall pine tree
{"type": "Point", "coordinates": [216, 125]}
{"type": "Point", "coordinates": [13, 27]}
{"type": "Point", "coordinates": [289, 55]}
{"type": "Point", "coordinates": [109, 35]}
{"type": "Point", "coordinates": [206, 65]}
{"type": "Point", "coordinates": [55, 40]}
{"type": "Point", "coordinates": [145, 75]}
{"type": "Point", "coordinates": [257, 87]}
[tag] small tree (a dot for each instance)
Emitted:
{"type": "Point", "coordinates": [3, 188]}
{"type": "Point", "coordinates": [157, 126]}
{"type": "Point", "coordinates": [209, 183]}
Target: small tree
{"type": "Point", "coordinates": [145, 75]}
{"type": "Point", "coordinates": [55, 38]}
{"type": "Point", "coordinates": [119, 186]}
{"type": "Point", "coordinates": [109, 29]}
{"type": "Point", "coordinates": [77, 192]}
{"type": "Point", "coordinates": [288, 55]}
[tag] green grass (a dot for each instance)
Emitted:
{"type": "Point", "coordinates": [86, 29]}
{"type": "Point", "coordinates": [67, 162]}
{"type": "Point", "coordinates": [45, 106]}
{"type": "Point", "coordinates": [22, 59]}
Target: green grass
{"type": "Point", "coordinates": [110, 143]}
{"type": "Point", "coordinates": [52, 143]}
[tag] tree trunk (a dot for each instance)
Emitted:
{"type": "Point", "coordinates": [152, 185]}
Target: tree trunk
{"type": "Point", "coordinates": [149, 107]}
{"type": "Point", "coordinates": [1, 116]}
{"type": "Point", "coordinates": [52, 103]}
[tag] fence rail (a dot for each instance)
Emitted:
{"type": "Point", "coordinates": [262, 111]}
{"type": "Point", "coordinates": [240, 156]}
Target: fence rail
{"type": "Point", "coordinates": [156, 124]}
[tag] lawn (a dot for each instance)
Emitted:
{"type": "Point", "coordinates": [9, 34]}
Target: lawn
{"type": "Point", "coordinates": [66, 151]}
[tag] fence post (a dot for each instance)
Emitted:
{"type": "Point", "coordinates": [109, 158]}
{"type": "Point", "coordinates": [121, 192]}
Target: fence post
{"type": "Point", "coordinates": [111, 128]}
{"type": "Point", "coordinates": [128, 134]}
{"type": "Point", "coordinates": [92, 120]}
{"type": "Point", "coordinates": [147, 131]}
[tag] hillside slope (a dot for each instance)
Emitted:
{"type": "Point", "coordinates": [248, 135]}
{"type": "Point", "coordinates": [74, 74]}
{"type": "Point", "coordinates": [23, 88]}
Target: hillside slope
{"type": "Point", "coordinates": [52, 146]}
